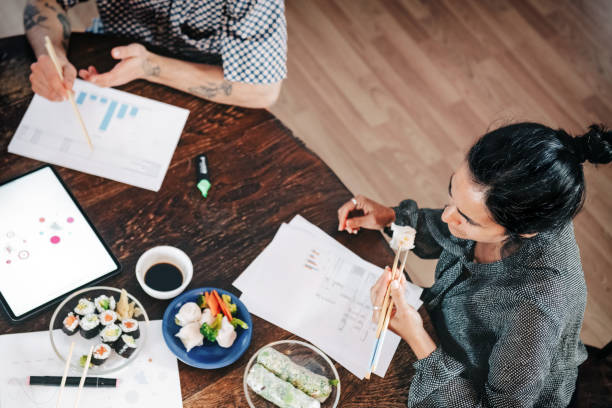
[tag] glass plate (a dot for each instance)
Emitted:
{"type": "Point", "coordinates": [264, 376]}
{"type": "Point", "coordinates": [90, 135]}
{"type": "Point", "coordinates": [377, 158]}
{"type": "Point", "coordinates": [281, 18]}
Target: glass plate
{"type": "Point", "coordinates": [305, 355]}
{"type": "Point", "coordinates": [60, 341]}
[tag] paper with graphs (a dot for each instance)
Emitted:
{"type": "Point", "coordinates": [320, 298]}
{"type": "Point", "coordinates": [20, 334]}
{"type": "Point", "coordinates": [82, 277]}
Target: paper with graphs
{"type": "Point", "coordinates": [307, 283]}
{"type": "Point", "coordinates": [133, 137]}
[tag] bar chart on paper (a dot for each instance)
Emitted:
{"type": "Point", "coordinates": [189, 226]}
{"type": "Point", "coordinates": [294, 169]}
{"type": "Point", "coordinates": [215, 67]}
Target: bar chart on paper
{"type": "Point", "coordinates": [133, 137]}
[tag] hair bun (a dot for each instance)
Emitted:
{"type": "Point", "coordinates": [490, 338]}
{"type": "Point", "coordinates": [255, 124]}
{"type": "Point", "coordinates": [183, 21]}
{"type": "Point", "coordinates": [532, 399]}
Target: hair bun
{"type": "Point", "coordinates": [594, 146]}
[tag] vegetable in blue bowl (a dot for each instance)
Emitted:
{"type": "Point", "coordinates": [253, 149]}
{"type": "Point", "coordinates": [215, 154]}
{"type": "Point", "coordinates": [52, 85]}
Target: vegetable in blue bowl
{"type": "Point", "coordinates": [207, 328]}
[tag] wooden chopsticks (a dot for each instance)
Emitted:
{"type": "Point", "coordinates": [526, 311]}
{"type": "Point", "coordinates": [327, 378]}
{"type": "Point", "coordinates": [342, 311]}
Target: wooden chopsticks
{"type": "Point", "coordinates": [386, 310]}
{"type": "Point", "coordinates": [83, 376]}
{"type": "Point", "coordinates": [63, 383]}
{"type": "Point", "coordinates": [53, 57]}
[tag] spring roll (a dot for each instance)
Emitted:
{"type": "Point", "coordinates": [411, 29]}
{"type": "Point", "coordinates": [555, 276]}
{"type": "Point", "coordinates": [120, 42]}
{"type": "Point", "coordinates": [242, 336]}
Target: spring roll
{"type": "Point", "coordinates": [315, 385]}
{"type": "Point", "coordinates": [277, 391]}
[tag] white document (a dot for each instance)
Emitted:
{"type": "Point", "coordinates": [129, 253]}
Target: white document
{"type": "Point", "coordinates": [152, 380]}
{"type": "Point", "coordinates": [321, 292]}
{"type": "Point", "coordinates": [133, 137]}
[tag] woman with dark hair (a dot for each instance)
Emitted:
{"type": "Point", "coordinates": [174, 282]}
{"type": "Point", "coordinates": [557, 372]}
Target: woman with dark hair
{"type": "Point", "coordinates": [509, 293]}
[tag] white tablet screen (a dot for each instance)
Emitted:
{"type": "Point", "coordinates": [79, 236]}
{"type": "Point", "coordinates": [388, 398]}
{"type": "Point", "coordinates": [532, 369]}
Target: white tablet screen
{"type": "Point", "coordinates": [48, 247]}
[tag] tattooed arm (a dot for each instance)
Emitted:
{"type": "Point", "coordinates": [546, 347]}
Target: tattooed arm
{"type": "Point", "coordinates": [204, 81]}
{"type": "Point", "coordinates": [46, 18]}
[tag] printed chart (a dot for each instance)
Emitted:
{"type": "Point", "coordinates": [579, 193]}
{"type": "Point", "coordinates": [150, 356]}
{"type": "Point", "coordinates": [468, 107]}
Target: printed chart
{"type": "Point", "coordinates": [133, 137]}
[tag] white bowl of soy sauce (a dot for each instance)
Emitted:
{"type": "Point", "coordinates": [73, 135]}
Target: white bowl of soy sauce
{"type": "Point", "coordinates": [164, 271]}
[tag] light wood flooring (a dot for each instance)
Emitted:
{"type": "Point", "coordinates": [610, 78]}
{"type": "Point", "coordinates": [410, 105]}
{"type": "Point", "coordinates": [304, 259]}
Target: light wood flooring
{"type": "Point", "coordinates": [392, 93]}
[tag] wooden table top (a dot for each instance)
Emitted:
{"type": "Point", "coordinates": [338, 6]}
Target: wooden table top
{"type": "Point", "coordinates": [261, 175]}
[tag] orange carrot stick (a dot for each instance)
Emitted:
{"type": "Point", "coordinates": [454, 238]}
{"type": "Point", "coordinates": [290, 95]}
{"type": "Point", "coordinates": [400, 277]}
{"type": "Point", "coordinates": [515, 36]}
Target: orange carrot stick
{"type": "Point", "coordinates": [223, 306]}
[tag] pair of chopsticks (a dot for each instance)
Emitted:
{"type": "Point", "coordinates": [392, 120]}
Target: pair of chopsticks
{"type": "Point", "coordinates": [385, 312]}
{"type": "Point", "coordinates": [53, 57]}
{"type": "Point", "coordinates": [83, 376]}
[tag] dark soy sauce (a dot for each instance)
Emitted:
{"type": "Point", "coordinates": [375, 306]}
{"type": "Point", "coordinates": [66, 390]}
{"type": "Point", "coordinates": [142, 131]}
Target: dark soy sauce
{"type": "Point", "coordinates": [163, 277]}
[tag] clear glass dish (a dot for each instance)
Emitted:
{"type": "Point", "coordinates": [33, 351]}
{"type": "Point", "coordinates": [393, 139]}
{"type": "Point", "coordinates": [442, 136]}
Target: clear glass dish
{"type": "Point", "coordinates": [60, 341]}
{"type": "Point", "coordinates": [305, 355]}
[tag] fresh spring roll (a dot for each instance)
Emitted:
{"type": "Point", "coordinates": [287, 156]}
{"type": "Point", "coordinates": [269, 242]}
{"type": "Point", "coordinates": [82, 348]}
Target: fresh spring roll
{"type": "Point", "coordinates": [315, 385]}
{"type": "Point", "coordinates": [277, 391]}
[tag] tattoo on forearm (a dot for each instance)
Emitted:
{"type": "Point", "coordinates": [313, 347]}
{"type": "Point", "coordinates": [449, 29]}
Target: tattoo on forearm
{"type": "Point", "coordinates": [65, 29]}
{"type": "Point", "coordinates": [150, 68]}
{"type": "Point", "coordinates": [211, 89]}
{"type": "Point", "coordinates": [32, 17]}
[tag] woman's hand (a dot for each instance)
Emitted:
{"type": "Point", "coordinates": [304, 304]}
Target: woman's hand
{"type": "Point", "coordinates": [136, 63]}
{"type": "Point", "coordinates": [375, 215]}
{"type": "Point", "coordinates": [405, 320]}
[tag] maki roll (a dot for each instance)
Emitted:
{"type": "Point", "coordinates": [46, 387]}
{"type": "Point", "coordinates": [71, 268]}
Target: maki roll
{"type": "Point", "coordinates": [126, 345]}
{"type": "Point", "coordinates": [84, 307]}
{"type": "Point", "coordinates": [101, 353]}
{"type": "Point", "coordinates": [110, 334]}
{"type": "Point", "coordinates": [70, 324]}
{"type": "Point", "coordinates": [108, 317]}
{"type": "Point", "coordinates": [90, 326]}
{"type": "Point", "coordinates": [130, 326]}
{"type": "Point", "coordinates": [104, 303]}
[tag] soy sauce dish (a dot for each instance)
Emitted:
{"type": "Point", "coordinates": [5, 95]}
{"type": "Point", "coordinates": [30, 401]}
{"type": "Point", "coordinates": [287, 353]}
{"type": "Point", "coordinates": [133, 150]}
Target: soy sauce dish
{"type": "Point", "coordinates": [192, 317]}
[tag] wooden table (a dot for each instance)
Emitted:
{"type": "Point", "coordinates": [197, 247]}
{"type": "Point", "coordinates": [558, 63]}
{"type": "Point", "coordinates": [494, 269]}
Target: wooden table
{"type": "Point", "coordinates": [262, 176]}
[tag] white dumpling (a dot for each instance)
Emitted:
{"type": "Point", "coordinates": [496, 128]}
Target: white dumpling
{"type": "Point", "coordinates": [190, 336]}
{"type": "Point", "coordinates": [188, 313]}
{"type": "Point", "coordinates": [403, 236]}
{"type": "Point", "coordinates": [207, 317]}
{"type": "Point", "coordinates": [227, 334]}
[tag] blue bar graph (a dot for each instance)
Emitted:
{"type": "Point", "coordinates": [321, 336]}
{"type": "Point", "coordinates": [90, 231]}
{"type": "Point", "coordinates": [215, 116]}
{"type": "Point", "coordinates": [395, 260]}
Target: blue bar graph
{"type": "Point", "coordinates": [81, 98]}
{"type": "Point", "coordinates": [108, 115]}
{"type": "Point", "coordinates": [110, 110]}
{"type": "Point", "coordinates": [122, 110]}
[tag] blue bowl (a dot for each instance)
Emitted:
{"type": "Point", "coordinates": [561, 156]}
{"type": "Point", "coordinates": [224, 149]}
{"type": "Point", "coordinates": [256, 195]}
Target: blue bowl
{"type": "Point", "coordinates": [210, 355]}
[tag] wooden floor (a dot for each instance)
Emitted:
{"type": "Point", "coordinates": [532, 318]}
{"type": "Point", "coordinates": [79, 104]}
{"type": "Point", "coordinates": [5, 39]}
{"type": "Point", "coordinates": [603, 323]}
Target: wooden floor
{"type": "Point", "coordinates": [392, 93]}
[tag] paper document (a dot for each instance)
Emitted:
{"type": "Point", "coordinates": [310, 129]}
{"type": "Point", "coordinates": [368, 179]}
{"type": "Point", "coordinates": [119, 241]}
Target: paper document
{"type": "Point", "coordinates": [133, 137]}
{"type": "Point", "coordinates": [320, 292]}
{"type": "Point", "coordinates": [152, 380]}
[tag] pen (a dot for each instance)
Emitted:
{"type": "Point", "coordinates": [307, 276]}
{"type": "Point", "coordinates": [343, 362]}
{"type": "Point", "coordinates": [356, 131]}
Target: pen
{"type": "Point", "coordinates": [73, 381]}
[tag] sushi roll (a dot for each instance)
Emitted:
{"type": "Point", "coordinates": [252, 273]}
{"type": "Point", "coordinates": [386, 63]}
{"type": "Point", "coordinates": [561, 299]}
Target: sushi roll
{"type": "Point", "coordinates": [101, 353]}
{"type": "Point", "coordinates": [108, 317]}
{"type": "Point", "coordinates": [126, 345]}
{"type": "Point", "coordinates": [70, 324]}
{"type": "Point", "coordinates": [104, 303]}
{"type": "Point", "coordinates": [90, 326]}
{"type": "Point", "coordinates": [84, 307]}
{"type": "Point", "coordinates": [110, 334]}
{"type": "Point", "coordinates": [130, 326]}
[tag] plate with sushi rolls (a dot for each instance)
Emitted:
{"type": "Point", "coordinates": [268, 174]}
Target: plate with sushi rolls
{"type": "Point", "coordinates": [109, 319]}
{"type": "Point", "coordinates": [207, 328]}
{"type": "Point", "coordinates": [291, 374]}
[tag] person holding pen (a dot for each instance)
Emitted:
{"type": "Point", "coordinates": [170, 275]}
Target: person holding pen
{"type": "Point", "coordinates": [231, 52]}
{"type": "Point", "coordinates": [509, 294]}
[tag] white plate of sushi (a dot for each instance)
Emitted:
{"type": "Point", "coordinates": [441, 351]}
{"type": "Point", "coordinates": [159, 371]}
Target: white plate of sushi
{"type": "Point", "coordinates": [109, 319]}
{"type": "Point", "coordinates": [291, 374]}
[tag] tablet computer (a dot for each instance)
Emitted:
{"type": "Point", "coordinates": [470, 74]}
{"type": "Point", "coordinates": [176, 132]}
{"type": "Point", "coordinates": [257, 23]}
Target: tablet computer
{"type": "Point", "coordinates": [48, 246]}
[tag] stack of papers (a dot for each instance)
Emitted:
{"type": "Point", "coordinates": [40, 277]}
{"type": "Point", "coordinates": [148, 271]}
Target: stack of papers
{"type": "Point", "coordinates": [307, 283]}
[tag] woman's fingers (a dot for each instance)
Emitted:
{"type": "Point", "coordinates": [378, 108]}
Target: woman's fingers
{"type": "Point", "coordinates": [366, 221]}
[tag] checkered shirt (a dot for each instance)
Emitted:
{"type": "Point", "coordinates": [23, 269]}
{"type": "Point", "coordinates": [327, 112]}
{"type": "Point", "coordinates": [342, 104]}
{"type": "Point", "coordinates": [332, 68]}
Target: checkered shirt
{"type": "Point", "coordinates": [250, 36]}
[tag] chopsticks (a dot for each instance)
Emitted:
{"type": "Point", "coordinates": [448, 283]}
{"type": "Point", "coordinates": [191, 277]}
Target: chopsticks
{"type": "Point", "coordinates": [53, 56]}
{"type": "Point", "coordinates": [59, 397]}
{"type": "Point", "coordinates": [83, 376]}
{"type": "Point", "coordinates": [387, 308]}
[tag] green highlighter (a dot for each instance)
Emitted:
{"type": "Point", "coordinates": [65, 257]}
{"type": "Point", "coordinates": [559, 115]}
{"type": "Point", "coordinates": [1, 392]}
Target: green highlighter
{"type": "Point", "coordinates": [203, 177]}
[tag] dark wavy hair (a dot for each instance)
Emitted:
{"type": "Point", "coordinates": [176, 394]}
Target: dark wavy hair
{"type": "Point", "coordinates": [532, 175]}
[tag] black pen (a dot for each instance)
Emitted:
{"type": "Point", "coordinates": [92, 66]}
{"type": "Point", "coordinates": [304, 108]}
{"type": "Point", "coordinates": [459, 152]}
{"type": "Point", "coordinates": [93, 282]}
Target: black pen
{"type": "Point", "coordinates": [73, 381]}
